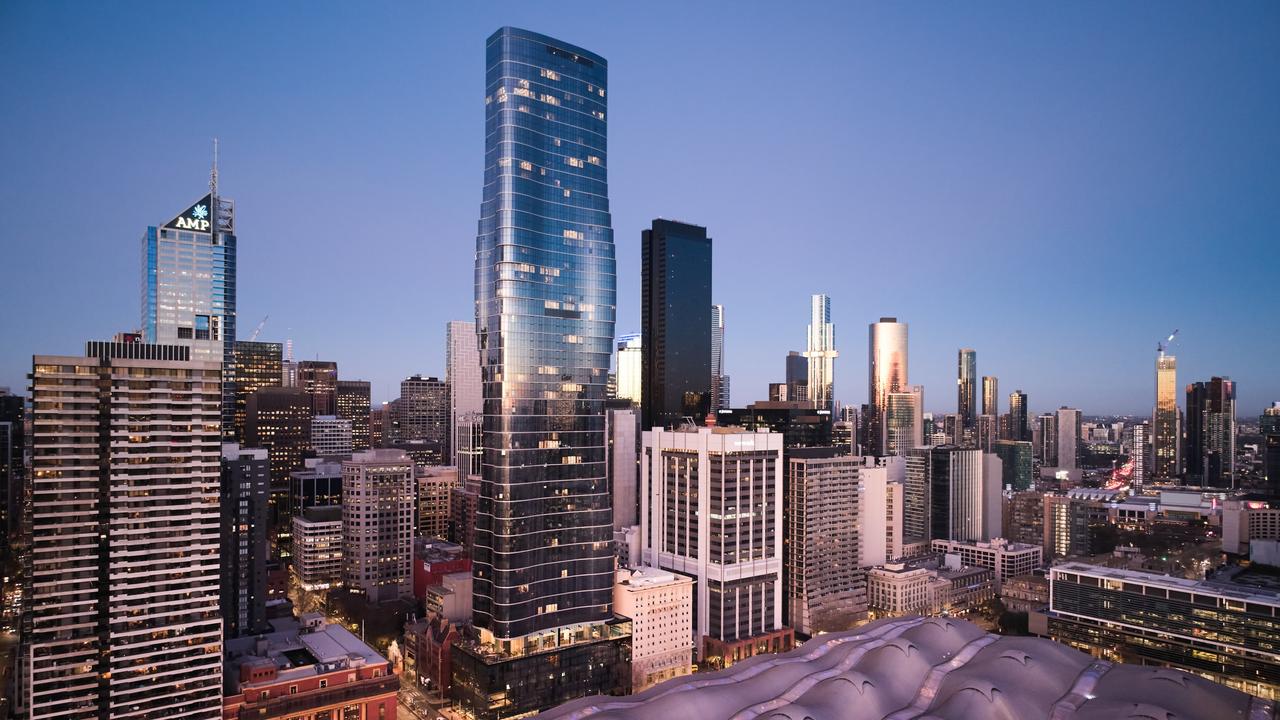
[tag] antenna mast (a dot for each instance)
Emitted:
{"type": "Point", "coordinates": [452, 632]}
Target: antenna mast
{"type": "Point", "coordinates": [213, 174]}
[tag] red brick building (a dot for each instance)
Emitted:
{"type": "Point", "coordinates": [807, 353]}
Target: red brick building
{"type": "Point", "coordinates": [308, 671]}
{"type": "Point", "coordinates": [432, 560]}
{"type": "Point", "coordinates": [428, 652]}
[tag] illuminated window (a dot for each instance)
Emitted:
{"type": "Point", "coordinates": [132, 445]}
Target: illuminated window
{"type": "Point", "coordinates": [526, 165]}
{"type": "Point", "coordinates": [575, 162]}
{"type": "Point", "coordinates": [549, 74]}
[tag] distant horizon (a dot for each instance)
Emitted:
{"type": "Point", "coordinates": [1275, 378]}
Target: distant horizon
{"type": "Point", "coordinates": [1057, 188]}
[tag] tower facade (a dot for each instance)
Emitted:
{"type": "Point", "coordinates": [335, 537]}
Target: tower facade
{"type": "Point", "coordinates": [821, 353]}
{"type": "Point", "coordinates": [353, 406]}
{"type": "Point", "coordinates": [631, 367]}
{"type": "Point", "coordinates": [1211, 433]}
{"type": "Point", "coordinates": [990, 396]}
{"type": "Point", "coordinates": [675, 315]}
{"type": "Point", "coordinates": [1166, 430]}
{"type": "Point", "coordinates": [258, 365]}
{"type": "Point", "coordinates": [719, 381]}
{"type": "Point", "coordinates": [967, 386]}
{"type": "Point", "coordinates": [1019, 428]}
{"type": "Point", "coordinates": [466, 392]}
{"type": "Point", "coordinates": [887, 373]}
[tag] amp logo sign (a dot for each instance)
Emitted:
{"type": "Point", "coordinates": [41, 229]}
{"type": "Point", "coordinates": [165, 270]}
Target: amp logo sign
{"type": "Point", "coordinates": [196, 218]}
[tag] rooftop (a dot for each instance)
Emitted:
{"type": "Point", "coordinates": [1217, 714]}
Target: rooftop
{"type": "Point", "coordinates": [297, 650]}
{"type": "Point", "coordinates": [1222, 585]}
{"type": "Point", "coordinates": [940, 668]}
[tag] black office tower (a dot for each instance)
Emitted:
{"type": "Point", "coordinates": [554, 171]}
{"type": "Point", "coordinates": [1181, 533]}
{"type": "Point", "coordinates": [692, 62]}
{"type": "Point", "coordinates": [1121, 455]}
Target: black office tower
{"type": "Point", "coordinates": [246, 484]}
{"type": "Point", "coordinates": [675, 316]}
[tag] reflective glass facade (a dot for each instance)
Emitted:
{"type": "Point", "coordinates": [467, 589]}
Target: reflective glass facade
{"type": "Point", "coordinates": [887, 373]}
{"type": "Point", "coordinates": [675, 316]}
{"type": "Point", "coordinates": [967, 386]}
{"type": "Point", "coordinates": [545, 303]}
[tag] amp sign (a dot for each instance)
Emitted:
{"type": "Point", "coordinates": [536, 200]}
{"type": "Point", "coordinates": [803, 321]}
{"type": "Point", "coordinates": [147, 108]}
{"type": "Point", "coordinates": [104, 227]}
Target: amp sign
{"type": "Point", "coordinates": [196, 218]}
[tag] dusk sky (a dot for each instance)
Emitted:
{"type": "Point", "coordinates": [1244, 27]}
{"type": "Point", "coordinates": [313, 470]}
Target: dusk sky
{"type": "Point", "coordinates": [1058, 186]}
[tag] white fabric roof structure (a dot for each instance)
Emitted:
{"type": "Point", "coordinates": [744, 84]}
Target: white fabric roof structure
{"type": "Point", "coordinates": [927, 668]}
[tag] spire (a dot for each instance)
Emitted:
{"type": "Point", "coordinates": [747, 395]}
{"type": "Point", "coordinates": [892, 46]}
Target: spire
{"type": "Point", "coordinates": [213, 173]}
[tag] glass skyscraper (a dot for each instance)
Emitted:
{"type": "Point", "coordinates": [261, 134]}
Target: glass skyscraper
{"type": "Point", "coordinates": [545, 302]}
{"type": "Point", "coordinates": [887, 373]}
{"type": "Point", "coordinates": [189, 288]}
{"type": "Point", "coordinates": [967, 386]}
{"type": "Point", "coordinates": [1166, 430]}
{"type": "Point", "coordinates": [675, 319]}
{"type": "Point", "coordinates": [821, 353]}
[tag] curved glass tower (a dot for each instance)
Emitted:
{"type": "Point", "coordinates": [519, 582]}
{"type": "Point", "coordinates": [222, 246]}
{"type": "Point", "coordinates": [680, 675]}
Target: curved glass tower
{"type": "Point", "coordinates": [545, 301]}
{"type": "Point", "coordinates": [887, 371]}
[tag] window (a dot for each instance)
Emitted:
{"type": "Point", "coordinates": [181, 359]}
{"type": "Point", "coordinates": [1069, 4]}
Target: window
{"type": "Point", "coordinates": [293, 689]}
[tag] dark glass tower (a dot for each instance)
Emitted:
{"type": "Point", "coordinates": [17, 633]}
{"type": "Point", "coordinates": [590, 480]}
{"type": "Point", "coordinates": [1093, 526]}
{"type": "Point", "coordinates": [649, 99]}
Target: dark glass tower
{"type": "Point", "coordinates": [967, 386]}
{"type": "Point", "coordinates": [545, 301]}
{"type": "Point", "coordinates": [675, 317]}
{"type": "Point", "coordinates": [1211, 430]}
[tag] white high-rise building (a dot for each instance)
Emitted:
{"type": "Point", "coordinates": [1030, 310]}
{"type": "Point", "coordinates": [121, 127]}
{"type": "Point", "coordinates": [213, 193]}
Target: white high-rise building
{"type": "Point", "coordinates": [821, 352]}
{"type": "Point", "coordinates": [466, 392]}
{"type": "Point", "coordinates": [719, 381]}
{"type": "Point", "coordinates": [630, 367]}
{"type": "Point", "coordinates": [378, 524]}
{"type": "Point", "coordinates": [711, 508]}
{"type": "Point", "coordinates": [330, 435]}
{"type": "Point", "coordinates": [126, 462]}
{"type": "Point", "coordinates": [660, 605]}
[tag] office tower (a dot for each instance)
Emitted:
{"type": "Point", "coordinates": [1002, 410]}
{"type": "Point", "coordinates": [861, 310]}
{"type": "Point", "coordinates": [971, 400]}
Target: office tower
{"type": "Point", "coordinates": [903, 420]}
{"type": "Point", "coordinates": [318, 485]}
{"type": "Point", "coordinates": [953, 428]}
{"type": "Point", "coordinates": [435, 486]}
{"type": "Point", "coordinates": [12, 451]}
{"type": "Point", "coordinates": [545, 274]}
{"type": "Point", "coordinates": [189, 286]}
{"type": "Point", "coordinates": [711, 508]}
{"type": "Point", "coordinates": [800, 423]}
{"type": "Point", "coordinates": [470, 449]}
{"type": "Point", "coordinates": [986, 433]}
{"type": "Point", "coordinates": [719, 381]}
{"type": "Point", "coordinates": [289, 373]}
{"type": "Point", "coordinates": [951, 493]}
{"type": "Point", "coordinates": [423, 410]}
{"type": "Point", "coordinates": [887, 373]}
{"type": "Point", "coordinates": [330, 435]}
{"type": "Point", "coordinates": [319, 378]}
{"type": "Point", "coordinates": [378, 421]}
{"type": "Point", "coordinates": [1269, 423]}
{"type": "Point", "coordinates": [377, 524]}
{"type": "Point", "coordinates": [1068, 445]}
{"type": "Point", "coordinates": [466, 393]}
{"type": "Point", "coordinates": [1137, 436]}
{"type": "Point", "coordinates": [279, 419]}
{"type": "Point", "coordinates": [1166, 431]}
{"type": "Point", "coordinates": [128, 523]}
{"type": "Point", "coordinates": [778, 392]}
{"type": "Point", "coordinates": [621, 424]}
{"type": "Point", "coordinates": [1220, 628]}
{"type": "Point", "coordinates": [1047, 447]}
{"type": "Point", "coordinates": [1017, 464]}
{"type": "Point", "coordinates": [797, 376]}
{"type": "Point", "coordinates": [1210, 457]}
{"type": "Point", "coordinates": [246, 490]}
{"type": "Point", "coordinates": [675, 315]}
{"type": "Point", "coordinates": [1023, 516]}
{"type": "Point", "coordinates": [630, 368]}
{"type": "Point", "coordinates": [1019, 428]}
{"type": "Point", "coordinates": [990, 396]}
{"type": "Point", "coordinates": [836, 526]}
{"type": "Point", "coordinates": [257, 366]}
{"type": "Point", "coordinates": [353, 405]}
{"type": "Point", "coordinates": [1076, 525]}
{"type": "Point", "coordinates": [967, 386]}
{"type": "Point", "coordinates": [821, 353]}
{"type": "Point", "coordinates": [317, 547]}
{"type": "Point", "coordinates": [660, 605]}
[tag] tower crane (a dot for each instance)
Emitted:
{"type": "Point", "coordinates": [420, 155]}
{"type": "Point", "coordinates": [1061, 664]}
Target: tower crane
{"type": "Point", "coordinates": [1162, 346]}
{"type": "Point", "coordinates": [258, 329]}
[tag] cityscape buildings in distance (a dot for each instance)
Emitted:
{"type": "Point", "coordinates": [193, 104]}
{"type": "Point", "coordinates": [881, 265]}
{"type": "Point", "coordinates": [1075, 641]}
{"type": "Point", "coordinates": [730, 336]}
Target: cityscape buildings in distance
{"type": "Point", "coordinates": [201, 525]}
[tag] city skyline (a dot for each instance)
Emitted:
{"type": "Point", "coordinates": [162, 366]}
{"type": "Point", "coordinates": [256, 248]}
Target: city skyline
{"type": "Point", "coordinates": [1028, 178]}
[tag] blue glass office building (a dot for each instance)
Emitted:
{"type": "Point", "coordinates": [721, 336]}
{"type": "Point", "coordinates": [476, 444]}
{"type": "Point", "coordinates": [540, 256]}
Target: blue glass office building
{"type": "Point", "coordinates": [189, 288]}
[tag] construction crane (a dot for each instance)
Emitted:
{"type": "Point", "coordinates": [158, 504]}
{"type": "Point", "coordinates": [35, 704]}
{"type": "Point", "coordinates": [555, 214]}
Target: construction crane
{"type": "Point", "coordinates": [258, 329]}
{"type": "Point", "coordinates": [1162, 346]}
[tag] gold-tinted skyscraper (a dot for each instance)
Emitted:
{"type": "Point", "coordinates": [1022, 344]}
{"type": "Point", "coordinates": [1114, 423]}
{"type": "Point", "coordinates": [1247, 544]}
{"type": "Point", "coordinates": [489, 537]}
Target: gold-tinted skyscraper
{"type": "Point", "coordinates": [887, 373]}
{"type": "Point", "coordinates": [1164, 424]}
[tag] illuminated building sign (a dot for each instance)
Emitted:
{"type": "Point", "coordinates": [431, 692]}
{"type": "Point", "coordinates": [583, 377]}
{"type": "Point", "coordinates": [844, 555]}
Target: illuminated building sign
{"type": "Point", "coordinates": [197, 218]}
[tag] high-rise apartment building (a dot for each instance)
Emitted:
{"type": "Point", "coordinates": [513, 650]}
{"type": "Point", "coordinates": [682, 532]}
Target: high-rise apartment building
{"type": "Point", "coordinates": [377, 522]}
{"type": "Point", "coordinates": [244, 500]}
{"type": "Point", "coordinates": [903, 420]}
{"type": "Point", "coordinates": [1269, 423]}
{"type": "Point", "coordinates": [1068, 445]}
{"type": "Point", "coordinates": [967, 386]}
{"type": "Point", "coordinates": [1019, 427]}
{"type": "Point", "coordinates": [1166, 430]}
{"type": "Point", "coordinates": [125, 458]}
{"type": "Point", "coordinates": [257, 366]}
{"type": "Point", "coordinates": [630, 367]}
{"type": "Point", "coordinates": [1047, 446]}
{"type": "Point", "coordinates": [319, 378]}
{"type": "Point", "coordinates": [12, 471]}
{"type": "Point", "coordinates": [986, 432]}
{"type": "Point", "coordinates": [330, 435]}
{"type": "Point", "coordinates": [711, 508]}
{"type": "Point", "coordinates": [423, 411]}
{"type": "Point", "coordinates": [951, 493]}
{"type": "Point", "coordinates": [1211, 433]}
{"type": "Point", "coordinates": [719, 381]}
{"type": "Point", "coordinates": [435, 486]}
{"type": "Point", "coordinates": [1017, 464]}
{"type": "Point", "coordinates": [887, 373]}
{"type": "Point", "coordinates": [797, 377]}
{"type": "Point", "coordinates": [990, 396]}
{"type": "Point", "coordinates": [353, 406]}
{"type": "Point", "coordinates": [317, 547]}
{"type": "Point", "coordinates": [189, 287]}
{"type": "Point", "coordinates": [675, 315]}
{"type": "Point", "coordinates": [466, 392]}
{"type": "Point", "coordinates": [1137, 443]}
{"type": "Point", "coordinates": [821, 353]}
{"type": "Point", "coordinates": [545, 283]}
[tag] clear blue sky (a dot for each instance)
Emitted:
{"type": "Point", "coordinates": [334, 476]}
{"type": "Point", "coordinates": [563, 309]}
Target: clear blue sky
{"type": "Point", "coordinates": [1055, 185]}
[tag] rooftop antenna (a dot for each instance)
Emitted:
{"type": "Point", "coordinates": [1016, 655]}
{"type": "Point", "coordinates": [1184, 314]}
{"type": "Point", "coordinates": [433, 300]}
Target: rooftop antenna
{"type": "Point", "coordinates": [213, 173]}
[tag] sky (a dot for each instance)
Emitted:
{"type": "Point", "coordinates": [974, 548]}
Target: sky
{"type": "Point", "coordinates": [1058, 186]}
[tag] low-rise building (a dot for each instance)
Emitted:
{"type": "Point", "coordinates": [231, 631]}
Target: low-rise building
{"type": "Point", "coordinates": [660, 605]}
{"type": "Point", "coordinates": [1025, 593]}
{"type": "Point", "coordinates": [451, 597]}
{"type": "Point", "coordinates": [314, 670]}
{"type": "Point", "coordinates": [898, 589]}
{"type": "Point", "coordinates": [432, 560]}
{"type": "Point", "coordinates": [1006, 559]}
{"type": "Point", "coordinates": [428, 653]}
